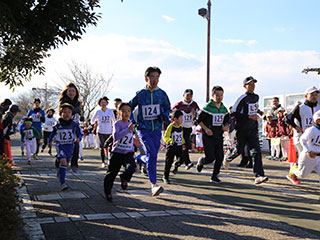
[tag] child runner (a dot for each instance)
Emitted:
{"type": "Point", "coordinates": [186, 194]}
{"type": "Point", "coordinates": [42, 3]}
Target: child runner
{"type": "Point", "coordinates": [190, 110]}
{"type": "Point", "coordinates": [199, 142]}
{"type": "Point", "coordinates": [67, 133]}
{"type": "Point", "coordinates": [153, 109]}
{"type": "Point", "coordinates": [214, 120]}
{"type": "Point", "coordinates": [21, 126]}
{"type": "Point", "coordinates": [283, 133]}
{"type": "Point", "coordinates": [30, 136]}
{"type": "Point", "coordinates": [122, 152]}
{"type": "Point", "coordinates": [175, 142]}
{"type": "Point", "coordinates": [38, 117]}
{"type": "Point", "coordinates": [116, 102]}
{"type": "Point", "coordinates": [104, 118]}
{"type": "Point", "coordinates": [309, 157]}
{"type": "Point", "coordinates": [48, 127]}
{"type": "Point", "coordinates": [70, 94]}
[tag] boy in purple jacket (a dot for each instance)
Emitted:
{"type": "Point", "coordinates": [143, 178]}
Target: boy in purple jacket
{"type": "Point", "coordinates": [122, 151]}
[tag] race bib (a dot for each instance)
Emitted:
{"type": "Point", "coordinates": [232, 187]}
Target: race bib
{"type": "Point", "coordinates": [35, 117]}
{"type": "Point", "coordinates": [126, 143]}
{"type": "Point", "coordinates": [105, 119]}
{"type": "Point", "coordinates": [217, 119]}
{"type": "Point", "coordinates": [150, 112]}
{"type": "Point", "coordinates": [177, 138]}
{"type": "Point", "coordinates": [65, 136]}
{"type": "Point", "coordinates": [187, 118]}
{"type": "Point", "coordinates": [309, 122]}
{"type": "Point", "coordinates": [28, 133]}
{"type": "Point", "coordinates": [253, 108]}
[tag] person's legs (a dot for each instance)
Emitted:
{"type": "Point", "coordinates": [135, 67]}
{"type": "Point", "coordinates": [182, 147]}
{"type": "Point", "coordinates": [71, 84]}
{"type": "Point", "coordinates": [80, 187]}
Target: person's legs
{"type": "Point", "coordinates": [75, 157]}
{"type": "Point", "coordinates": [185, 153]}
{"type": "Point", "coordinates": [28, 149]}
{"type": "Point", "coordinates": [151, 143]}
{"type": "Point", "coordinates": [130, 167]}
{"type": "Point", "coordinates": [115, 164]}
{"type": "Point", "coordinates": [169, 160]}
{"type": "Point", "coordinates": [102, 139]}
{"type": "Point", "coordinates": [218, 158]}
{"type": "Point", "coordinates": [305, 165]}
{"type": "Point", "coordinates": [255, 152]}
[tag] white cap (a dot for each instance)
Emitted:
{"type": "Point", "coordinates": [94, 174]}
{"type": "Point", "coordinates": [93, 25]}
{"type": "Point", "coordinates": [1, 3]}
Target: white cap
{"type": "Point", "coordinates": [281, 109]}
{"type": "Point", "coordinates": [316, 116]}
{"type": "Point", "coordinates": [311, 90]}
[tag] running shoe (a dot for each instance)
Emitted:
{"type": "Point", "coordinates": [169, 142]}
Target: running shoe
{"type": "Point", "coordinates": [109, 197]}
{"type": "Point", "coordinates": [81, 158]}
{"type": "Point", "coordinates": [293, 179]}
{"type": "Point", "coordinates": [190, 165]}
{"type": "Point", "coordinates": [156, 190]}
{"type": "Point", "coordinates": [22, 153]}
{"type": "Point", "coordinates": [49, 152]}
{"type": "Point", "coordinates": [64, 186]}
{"type": "Point", "coordinates": [215, 179]}
{"type": "Point", "coordinates": [166, 180]}
{"type": "Point", "coordinates": [42, 150]}
{"type": "Point", "coordinates": [199, 165]}
{"type": "Point", "coordinates": [103, 165]}
{"type": "Point", "coordinates": [29, 162]}
{"type": "Point", "coordinates": [175, 170]}
{"type": "Point", "coordinates": [144, 169]}
{"type": "Point", "coordinates": [261, 179]}
{"type": "Point", "coordinates": [124, 183]}
{"type": "Point", "coordinates": [35, 157]}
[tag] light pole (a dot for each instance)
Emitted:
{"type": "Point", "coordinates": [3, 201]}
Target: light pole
{"type": "Point", "coordinates": [206, 13]}
{"type": "Point", "coordinates": [45, 89]}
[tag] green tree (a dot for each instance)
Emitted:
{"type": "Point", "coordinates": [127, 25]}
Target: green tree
{"type": "Point", "coordinates": [30, 28]}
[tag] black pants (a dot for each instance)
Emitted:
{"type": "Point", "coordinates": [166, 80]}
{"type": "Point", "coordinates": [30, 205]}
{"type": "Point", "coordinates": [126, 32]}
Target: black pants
{"type": "Point", "coordinates": [102, 139]}
{"type": "Point", "coordinates": [213, 151]}
{"type": "Point", "coordinates": [116, 161]}
{"type": "Point", "coordinates": [38, 143]}
{"type": "Point", "coordinates": [46, 136]}
{"type": "Point", "coordinates": [185, 153]}
{"type": "Point", "coordinates": [251, 138]}
{"type": "Point", "coordinates": [75, 155]}
{"type": "Point", "coordinates": [246, 158]}
{"type": "Point", "coordinates": [171, 152]}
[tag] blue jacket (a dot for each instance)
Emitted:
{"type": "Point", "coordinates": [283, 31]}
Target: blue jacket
{"type": "Point", "coordinates": [37, 120]}
{"type": "Point", "coordinates": [153, 109]}
{"type": "Point", "coordinates": [66, 131]}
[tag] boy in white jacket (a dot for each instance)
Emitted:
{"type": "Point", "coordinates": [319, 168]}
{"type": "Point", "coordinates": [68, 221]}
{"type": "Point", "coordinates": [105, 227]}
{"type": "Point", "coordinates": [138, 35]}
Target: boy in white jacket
{"type": "Point", "coordinates": [309, 158]}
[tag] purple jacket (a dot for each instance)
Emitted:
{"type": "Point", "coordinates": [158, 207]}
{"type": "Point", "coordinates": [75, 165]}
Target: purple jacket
{"type": "Point", "coordinates": [122, 138]}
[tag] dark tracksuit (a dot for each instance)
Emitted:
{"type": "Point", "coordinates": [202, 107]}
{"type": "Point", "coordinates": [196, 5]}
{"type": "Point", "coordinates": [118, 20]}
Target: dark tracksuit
{"type": "Point", "coordinates": [174, 140]}
{"type": "Point", "coordinates": [247, 130]}
{"type": "Point", "coordinates": [213, 145]}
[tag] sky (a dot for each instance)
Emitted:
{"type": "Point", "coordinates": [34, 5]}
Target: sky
{"type": "Point", "coordinates": [271, 40]}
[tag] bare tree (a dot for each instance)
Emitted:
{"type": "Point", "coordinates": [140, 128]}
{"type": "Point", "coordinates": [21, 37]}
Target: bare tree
{"type": "Point", "coordinates": [25, 100]}
{"type": "Point", "coordinates": [91, 85]}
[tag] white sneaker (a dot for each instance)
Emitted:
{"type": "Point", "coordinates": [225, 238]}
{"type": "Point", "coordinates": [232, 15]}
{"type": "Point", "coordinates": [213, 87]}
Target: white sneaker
{"type": "Point", "coordinates": [103, 165]}
{"type": "Point", "coordinates": [64, 186]}
{"type": "Point", "coordinates": [260, 179]}
{"type": "Point", "coordinates": [156, 190]}
{"type": "Point", "coordinates": [226, 164]}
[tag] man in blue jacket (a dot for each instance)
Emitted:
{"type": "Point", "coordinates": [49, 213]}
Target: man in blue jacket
{"type": "Point", "coordinates": [153, 109]}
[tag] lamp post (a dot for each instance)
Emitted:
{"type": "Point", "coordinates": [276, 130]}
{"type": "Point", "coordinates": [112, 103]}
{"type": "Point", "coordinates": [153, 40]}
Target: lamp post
{"type": "Point", "coordinates": [45, 89]}
{"type": "Point", "coordinates": [206, 13]}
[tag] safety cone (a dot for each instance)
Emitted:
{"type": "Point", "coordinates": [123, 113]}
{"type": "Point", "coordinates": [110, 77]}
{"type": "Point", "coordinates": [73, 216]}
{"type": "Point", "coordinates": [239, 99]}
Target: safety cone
{"type": "Point", "coordinates": [292, 156]}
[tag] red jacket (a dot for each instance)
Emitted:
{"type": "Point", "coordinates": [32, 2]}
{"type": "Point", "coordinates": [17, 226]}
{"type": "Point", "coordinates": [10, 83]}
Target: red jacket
{"type": "Point", "coordinates": [272, 129]}
{"type": "Point", "coordinates": [283, 128]}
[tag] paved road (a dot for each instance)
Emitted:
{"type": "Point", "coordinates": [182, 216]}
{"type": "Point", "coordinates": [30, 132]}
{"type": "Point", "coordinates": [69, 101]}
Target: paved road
{"type": "Point", "coordinates": [190, 208]}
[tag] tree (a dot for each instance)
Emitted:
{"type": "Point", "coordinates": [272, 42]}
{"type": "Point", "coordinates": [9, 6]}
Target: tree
{"type": "Point", "coordinates": [91, 86]}
{"type": "Point", "coordinates": [25, 100]}
{"type": "Point", "coordinates": [30, 28]}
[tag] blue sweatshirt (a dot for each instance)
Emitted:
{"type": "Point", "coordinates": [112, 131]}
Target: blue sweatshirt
{"type": "Point", "coordinates": [153, 109]}
{"type": "Point", "coordinates": [37, 120]}
{"type": "Point", "coordinates": [66, 132]}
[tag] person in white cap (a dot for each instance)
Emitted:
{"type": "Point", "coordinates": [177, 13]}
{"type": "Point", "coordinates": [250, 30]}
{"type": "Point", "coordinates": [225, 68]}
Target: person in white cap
{"type": "Point", "coordinates": [309, 158]}
{"type": "Point", "coordinates": [301, 118]}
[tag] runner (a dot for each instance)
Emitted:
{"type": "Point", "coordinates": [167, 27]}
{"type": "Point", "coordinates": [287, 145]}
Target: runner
{"type": "Point", "coordinates": [309, 157]}
{"type": "Point", "coordinates": [153, 109]}
{"type": "Point", "coordinates": [30, 136]}
{"type": "Point", "coordinates": [300, 119]}
{"type": "Point", "coordinates": [67, 133]}
{"type": "Point", "coordinates": [214, 120]}
{"type": "Point", "coordinates": [70, 94]}
{"type": "Point", "coordinates": [38, 117]}
{"type": "Point", "coordinates": [48, 128]}
{"type": "Point", "coordinates": [21, 126]}
{"type": "Point", "coordinates": [116, 102]}
{"type": "Point", "coordinates": [104, 118]}
{"type": "Point", "coordinates": [175, 142]}
{"type": "Point", "coordinates": [190, 110]}
{"type": "Point", "coordinates": [122, 153]}
{"type": "Point", "coordinates": [246, 110]}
